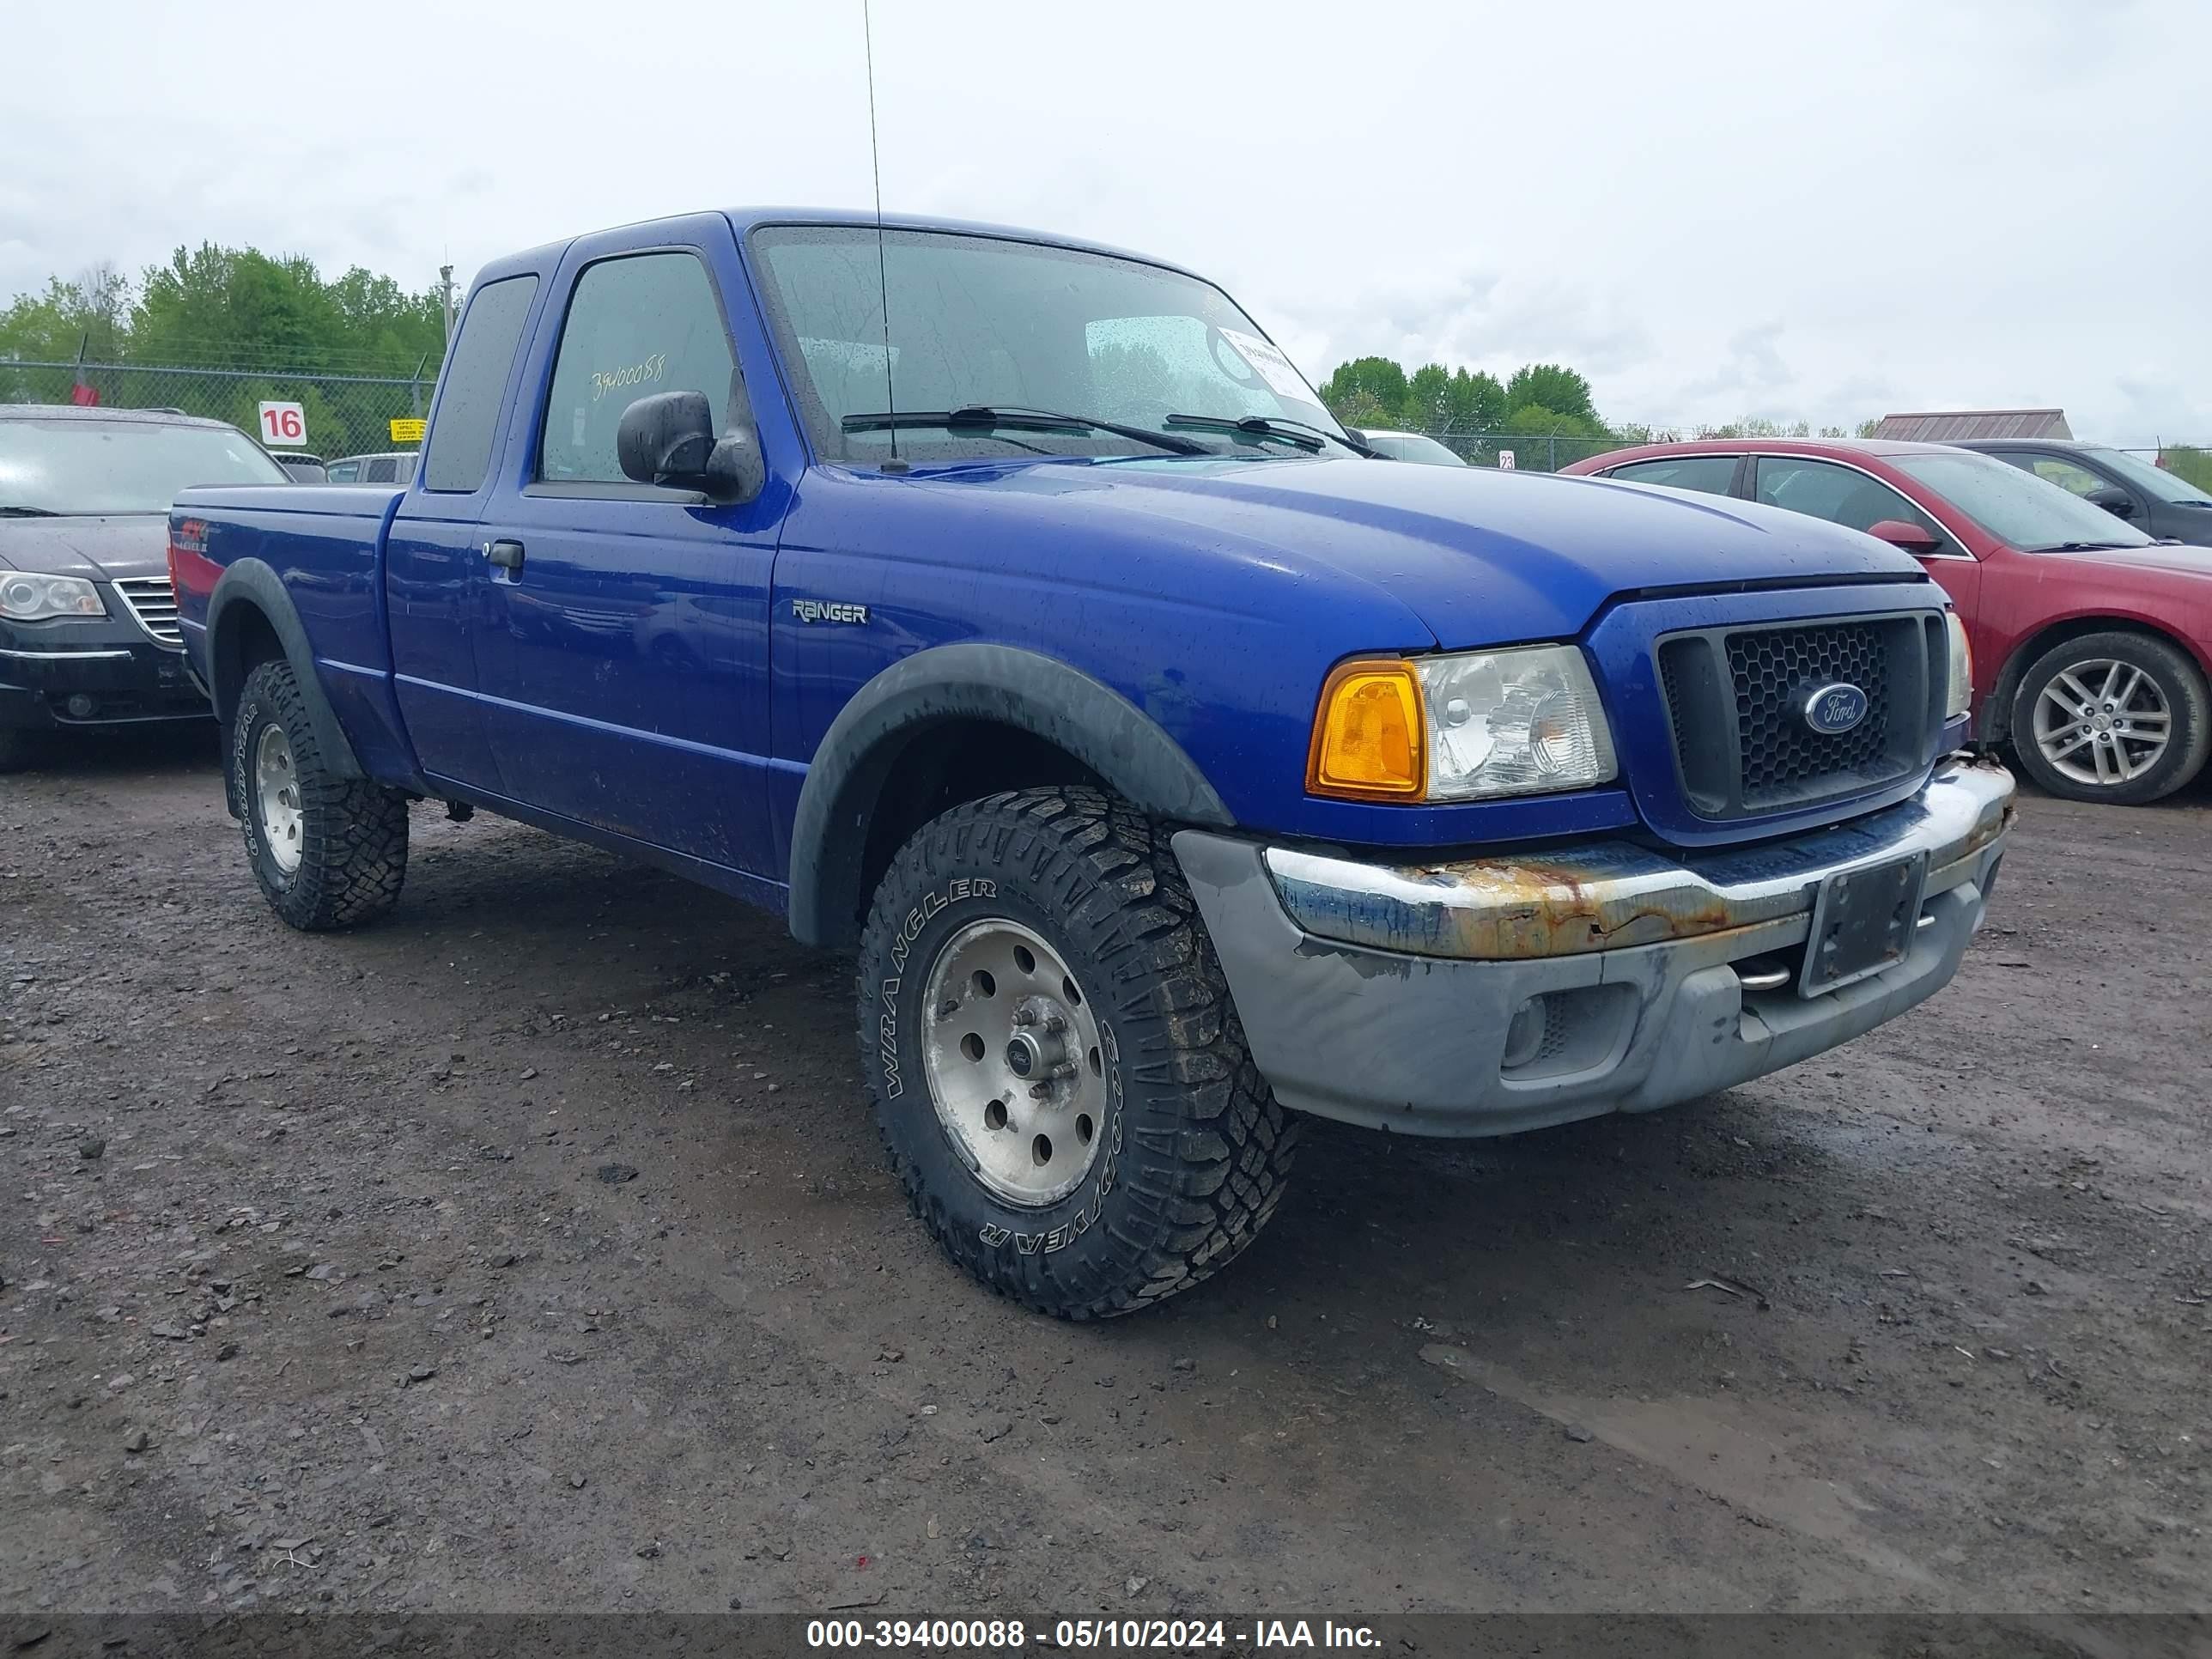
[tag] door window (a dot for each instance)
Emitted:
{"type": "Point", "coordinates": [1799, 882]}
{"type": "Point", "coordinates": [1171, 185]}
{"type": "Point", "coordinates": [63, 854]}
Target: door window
{"type": "Point", "coordinates": [1715, 475]}
{"type": "Point", "coordinates": [1822, 489]}
{"type": "Point", "coordinates": [642, 323]}
{"type": "Point", "coordinates": [2067, 475]}
{"type": "Point", "coordinates": [345, 471]}
{"type": "Point", "coordinates": [383, 470]}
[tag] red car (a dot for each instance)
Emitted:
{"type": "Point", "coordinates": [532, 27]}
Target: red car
{"type": "Point", "coordinates": [2092, 642]}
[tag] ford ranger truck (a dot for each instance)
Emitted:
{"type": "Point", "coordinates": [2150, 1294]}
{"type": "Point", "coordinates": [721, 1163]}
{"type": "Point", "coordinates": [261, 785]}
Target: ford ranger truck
{"type": "Point", "coordinates": [1173, 770]}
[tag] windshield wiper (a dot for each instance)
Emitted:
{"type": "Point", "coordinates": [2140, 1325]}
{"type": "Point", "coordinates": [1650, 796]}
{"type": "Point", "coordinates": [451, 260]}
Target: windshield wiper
{"type": "Point", "coordinates": [2080, 547]}
{"type": "Point", "coordinates": [27, 513]}
{"type": "Point", "coordinates": [1002, 417]}
{"type": "Point", "coordinates": [1273, 426]}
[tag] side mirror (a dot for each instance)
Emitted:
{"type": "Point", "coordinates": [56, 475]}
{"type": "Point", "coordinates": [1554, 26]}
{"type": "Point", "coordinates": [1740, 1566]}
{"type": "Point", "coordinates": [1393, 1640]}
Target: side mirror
{"type": "Point", "coordinates": [669, 439]}
{"type": "Point", "coordinates": [1908, 538]}
{"type": "Point", "coordinates": [2114, 500]}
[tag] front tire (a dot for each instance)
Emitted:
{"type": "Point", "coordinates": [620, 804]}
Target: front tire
{"type": "Point", "coordinates": [2119, 717]}
{"type": "Point", "coordinates": [1058, 1076]}
{"type": "Point", "coordinates": [328, 852]}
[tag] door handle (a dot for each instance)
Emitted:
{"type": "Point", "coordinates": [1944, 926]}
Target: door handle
{"type": "Point", "coordinates": [507, 555]}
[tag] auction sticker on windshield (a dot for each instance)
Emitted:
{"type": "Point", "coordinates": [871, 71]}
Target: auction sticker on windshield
{"type": "Point", "coordinates": [1282, 377]}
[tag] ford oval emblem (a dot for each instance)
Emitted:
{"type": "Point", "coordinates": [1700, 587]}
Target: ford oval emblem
{"type": "Point", "coordinates": [1835, 709]}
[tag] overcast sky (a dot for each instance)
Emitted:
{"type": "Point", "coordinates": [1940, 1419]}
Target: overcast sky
{"type": "Point", "coordinates": [1711, 210]}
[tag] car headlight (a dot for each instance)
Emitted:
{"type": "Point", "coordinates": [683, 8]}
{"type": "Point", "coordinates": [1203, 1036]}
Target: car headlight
{"type": "Point", "coordinates": [1466, 727]}
{"type": "Point", "coordinates": [24, 596]}
{"type": "Point", "coordinates": [1960, 696]}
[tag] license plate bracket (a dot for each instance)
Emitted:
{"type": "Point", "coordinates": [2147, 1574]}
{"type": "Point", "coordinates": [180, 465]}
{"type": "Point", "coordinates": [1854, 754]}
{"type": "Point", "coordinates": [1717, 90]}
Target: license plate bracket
{"type": "Point", "coordinates": [1864, 921]}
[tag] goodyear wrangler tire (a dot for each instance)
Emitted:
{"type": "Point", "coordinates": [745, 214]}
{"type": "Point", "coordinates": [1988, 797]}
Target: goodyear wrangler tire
{"type": "Point", "coordinates": [1059, 1075]}
{"type": "Point", "coordinates": [328, 852]}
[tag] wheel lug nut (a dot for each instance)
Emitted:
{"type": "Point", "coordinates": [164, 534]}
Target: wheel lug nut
{"type": "Point", "coordinates": [1064, 1069]}
{"type": "Point", "coordinates": [950, 1008]}
{"type": "Point", "coordinates": [1055, 1023]}
{"type": "Point", "coordinates": [1040, 1090]}
{"type": "Point", "coordinates": [1025, 1017]}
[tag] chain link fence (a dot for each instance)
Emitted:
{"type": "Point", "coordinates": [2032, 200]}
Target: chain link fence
{"type": "Point", "coordinates": [345, 414]}
{"type": "Point", "coordinates": [1530, 452]}
{"type": "Point", "coordinates": [352, 414]}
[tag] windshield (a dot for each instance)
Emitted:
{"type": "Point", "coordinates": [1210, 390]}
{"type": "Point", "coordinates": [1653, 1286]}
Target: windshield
{"type": "Point", "coordinates": [2155, 482]}
{"type": "Point", "coordinates": [85, 467]}
{"type": "Point", "coordinates": [983, 320]}
{"type": "Point", "coordinates": [2018, 508]}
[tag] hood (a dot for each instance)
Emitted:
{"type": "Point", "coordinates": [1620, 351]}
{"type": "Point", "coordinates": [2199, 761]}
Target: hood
{"type": "Point", "coordinates": [128, 544]}
{"type": "Point", "coordinates": [1479, 557]}
{"type": "Point", "coordinates": [2186, 560]}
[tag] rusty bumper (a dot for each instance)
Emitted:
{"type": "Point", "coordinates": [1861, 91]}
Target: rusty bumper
{"type": "Point", "coordinates": [1612, 894]}
{"type": "Point", "coordinates": [1488, 995]}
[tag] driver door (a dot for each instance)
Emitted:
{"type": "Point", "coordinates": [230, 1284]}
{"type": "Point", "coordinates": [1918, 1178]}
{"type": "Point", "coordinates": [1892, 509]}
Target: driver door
{"type": "Point", "coordinates": [624, 662]}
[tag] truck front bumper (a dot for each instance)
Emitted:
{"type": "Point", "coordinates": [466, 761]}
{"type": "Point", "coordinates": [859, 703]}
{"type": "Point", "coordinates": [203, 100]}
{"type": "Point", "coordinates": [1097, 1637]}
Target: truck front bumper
{"type": "Point", "coordinates": [1492, 995]}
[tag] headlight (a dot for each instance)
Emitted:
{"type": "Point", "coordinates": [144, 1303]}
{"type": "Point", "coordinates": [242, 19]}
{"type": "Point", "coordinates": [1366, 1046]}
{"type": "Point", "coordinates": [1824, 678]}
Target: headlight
{"type": "Point", "coordinates": [1960, 696]}
{"type": "Point", "coordinates": [27, 598]}
{"type": "Point", "coordinates": [1464, 727]}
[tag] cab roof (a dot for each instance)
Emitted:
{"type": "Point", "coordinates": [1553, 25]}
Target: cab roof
{"type": "Point", "coordinates": [746, 220]}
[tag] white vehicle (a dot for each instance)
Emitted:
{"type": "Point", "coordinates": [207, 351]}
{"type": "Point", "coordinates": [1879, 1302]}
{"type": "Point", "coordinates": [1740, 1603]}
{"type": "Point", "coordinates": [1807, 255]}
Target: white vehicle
{"type": "Point", "coordinates": [1411, 447]}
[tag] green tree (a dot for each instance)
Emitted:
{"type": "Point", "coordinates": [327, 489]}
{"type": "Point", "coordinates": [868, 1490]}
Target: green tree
{"type": "Point", "coordinates": [93, 311]}
{"type": "Point", "coordinates": [1546, 438]}
{"type": "Point", "coordinates": [1440, 400]}
{"type": "Point", "coordinates": [387, 326]}
{"type": "Point", "coordinates": [1361, 408]}
{"type": "Point", "coordinates": [221, 307]}
{"type": "Point", "coordinates": [1758, 426]}
{"type": "Point", "coordinates": [1550, 387]}
{"type": "Point", "coordinates": [1427, 407]}
{"type": "Point", "coordinates": [1377, 383]}
{"type": "Point", "coordinates": [2188, 462]}
{"type": "Point", "coordinates": [1476, 403]}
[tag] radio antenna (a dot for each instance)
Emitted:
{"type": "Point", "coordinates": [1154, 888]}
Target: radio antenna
{"type": "Point", "coordinates": [882, 278]}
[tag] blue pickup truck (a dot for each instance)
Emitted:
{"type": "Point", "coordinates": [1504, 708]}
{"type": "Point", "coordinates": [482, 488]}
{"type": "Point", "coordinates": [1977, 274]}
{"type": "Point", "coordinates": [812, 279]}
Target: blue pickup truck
{"type": "Point", "coordinates": [1007, 611]}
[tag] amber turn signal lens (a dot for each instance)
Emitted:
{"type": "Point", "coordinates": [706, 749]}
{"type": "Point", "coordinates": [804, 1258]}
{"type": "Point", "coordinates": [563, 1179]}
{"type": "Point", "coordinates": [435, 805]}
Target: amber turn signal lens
{"type": "Point", "coordinates": [1369, 742]}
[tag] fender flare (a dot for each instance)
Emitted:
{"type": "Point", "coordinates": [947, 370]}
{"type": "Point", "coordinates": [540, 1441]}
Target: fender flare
{"type": "Point", "coordinates": [1001, 684]}
{"type": "Point", "coordinates": [256, 585]}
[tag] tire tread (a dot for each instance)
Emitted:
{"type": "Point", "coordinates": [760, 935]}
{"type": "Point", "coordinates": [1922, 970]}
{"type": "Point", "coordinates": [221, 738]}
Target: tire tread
{"type": "Point", "coordinates": [1195, 1197]}
{"type": "Point", "coordinates": [353, 859]}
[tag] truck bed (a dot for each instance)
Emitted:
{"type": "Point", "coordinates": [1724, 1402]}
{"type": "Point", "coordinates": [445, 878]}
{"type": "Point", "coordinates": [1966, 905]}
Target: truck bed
{"type": "Point", "coordinates": [325, 544]}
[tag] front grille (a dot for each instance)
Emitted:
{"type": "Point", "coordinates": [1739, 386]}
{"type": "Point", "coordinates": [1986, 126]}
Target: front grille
{"type": "Point", "coordinates": [1774, 671]}
{"type": "Point", "coordinates": [152, 606]}
{"type": "Point", "coordinates": [1736, 699]}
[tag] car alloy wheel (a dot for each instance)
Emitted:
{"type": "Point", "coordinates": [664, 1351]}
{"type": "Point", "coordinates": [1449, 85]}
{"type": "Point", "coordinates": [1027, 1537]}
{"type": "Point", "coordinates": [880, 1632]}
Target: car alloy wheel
{"type": "Point", "coordinates": [2102, 722]}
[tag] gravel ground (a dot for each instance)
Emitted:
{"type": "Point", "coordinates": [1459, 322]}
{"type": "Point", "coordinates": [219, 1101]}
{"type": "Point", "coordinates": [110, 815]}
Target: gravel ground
{"type": "Point", "coordinates": [533, 1250]}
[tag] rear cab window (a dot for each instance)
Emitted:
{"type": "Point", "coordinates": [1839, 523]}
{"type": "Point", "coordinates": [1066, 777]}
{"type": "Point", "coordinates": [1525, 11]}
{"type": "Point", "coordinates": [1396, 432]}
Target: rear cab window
{"type": "Point", "coordinates": [459, 454]}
